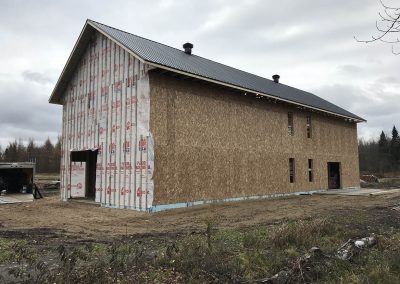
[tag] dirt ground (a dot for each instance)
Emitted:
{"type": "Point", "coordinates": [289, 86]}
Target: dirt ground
{"type": "Point", "coordinates": [85, 221]}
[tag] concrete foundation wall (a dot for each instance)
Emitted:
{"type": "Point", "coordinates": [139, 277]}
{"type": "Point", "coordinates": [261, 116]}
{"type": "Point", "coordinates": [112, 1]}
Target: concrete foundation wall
{"type": "Point", "coordinates": [215, 143]}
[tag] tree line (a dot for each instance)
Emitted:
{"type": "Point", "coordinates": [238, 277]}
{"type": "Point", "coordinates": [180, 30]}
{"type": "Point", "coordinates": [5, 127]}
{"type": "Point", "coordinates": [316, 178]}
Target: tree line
{"type": "Point", "coordinates": [381, 156]}
{"type": "Point", "coordinates": [47, 156]}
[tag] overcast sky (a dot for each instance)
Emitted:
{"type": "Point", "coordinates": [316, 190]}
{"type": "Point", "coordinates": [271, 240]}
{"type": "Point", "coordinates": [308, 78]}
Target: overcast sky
{"type": "Point", "coordinates": [309, 43]}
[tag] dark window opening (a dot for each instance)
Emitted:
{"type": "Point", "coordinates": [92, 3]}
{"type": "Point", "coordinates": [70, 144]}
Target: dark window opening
{"type": "Point", "coordinates": [290, 124]}
{"type": "Point", "coordinates": [310, 170]}
{"type": "Point", "coordinates": [291, 170]}
{"type": "Point", "coordinates": [309, 130]}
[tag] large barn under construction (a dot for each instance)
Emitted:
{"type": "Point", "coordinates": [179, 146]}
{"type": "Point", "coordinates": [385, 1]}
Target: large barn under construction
{"type": "Point", "coordinates": [150, 127]}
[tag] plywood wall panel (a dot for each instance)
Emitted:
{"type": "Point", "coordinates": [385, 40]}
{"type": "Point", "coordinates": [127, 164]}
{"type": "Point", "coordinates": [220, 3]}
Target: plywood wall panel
{"type": "Point", "coordinates": [213, 143]}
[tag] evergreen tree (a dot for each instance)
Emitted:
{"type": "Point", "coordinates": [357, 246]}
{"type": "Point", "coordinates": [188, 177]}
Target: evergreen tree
{"type": "Point", "coordinates": [395, 134]}
{"type": "Point", "coordinates": [31, 150]}
{"type": "Point", "coordinates": [383, 143]}
{"type": "Point", "coordinates": [21, 152]}
{"type": "Point", "coordinates": [57, 155]}
{"type": "Point", "coordinates": [10, 154]}
{"type": "Point", "coordinates": [395, 146]}
{"type": "Point", "coordinates": [46, 156]}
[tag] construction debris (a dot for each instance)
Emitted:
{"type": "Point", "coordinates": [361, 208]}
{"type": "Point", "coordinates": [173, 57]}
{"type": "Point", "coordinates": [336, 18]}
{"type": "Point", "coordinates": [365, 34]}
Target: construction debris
{"type": "Point", "coordinates": [353, 247]}
{"type": "Point", "coordinates": [301, 268]}
{"type": "Point", "coordinates": [369, 178]}
{"type": "Point", "coordinates": [36, 191]}
{"type": "Point", "coordinates": [396, 208]}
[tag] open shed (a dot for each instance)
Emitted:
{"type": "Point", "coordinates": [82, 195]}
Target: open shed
{"type": "Point", "coordinates": [17, 177]}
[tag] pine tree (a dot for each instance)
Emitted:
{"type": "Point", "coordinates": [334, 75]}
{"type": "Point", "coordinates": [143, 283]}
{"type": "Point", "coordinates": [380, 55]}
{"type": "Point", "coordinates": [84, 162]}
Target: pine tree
{"type": "Point", "coordinates": [383, 143]}
{"type": "Point", "coordinates": [395, 145]}
{"type": "Point", "coordinates": [31, 150]}
{"type": "Point", "coordinates": [56, 157]}
{"type": "Point", "coordinates": [46, 156]}
{"type": "Point", "coordinates": [395, 134]}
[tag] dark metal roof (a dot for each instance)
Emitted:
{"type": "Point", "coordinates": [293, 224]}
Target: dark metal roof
{"type": "Point", "coordinates": [177, 60]}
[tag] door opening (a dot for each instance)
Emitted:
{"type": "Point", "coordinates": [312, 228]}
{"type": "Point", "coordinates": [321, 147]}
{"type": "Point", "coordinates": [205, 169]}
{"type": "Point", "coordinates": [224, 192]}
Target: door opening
{"type": "Point", "coordinates": [83, 173]}
{"type": "Point", "coordinates": [333, 175]}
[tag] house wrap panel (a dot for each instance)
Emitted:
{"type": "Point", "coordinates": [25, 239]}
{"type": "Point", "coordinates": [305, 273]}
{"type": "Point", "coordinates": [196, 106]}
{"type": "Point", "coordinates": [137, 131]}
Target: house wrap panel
{"type": "Point", "coordinates": [106, 107]}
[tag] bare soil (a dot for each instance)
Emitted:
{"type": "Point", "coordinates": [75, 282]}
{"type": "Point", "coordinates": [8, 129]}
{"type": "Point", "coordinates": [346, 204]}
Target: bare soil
{"type": "Point", "coordinates": [51, 218]}
{"type": "Point", "coordinates": [45, 224]}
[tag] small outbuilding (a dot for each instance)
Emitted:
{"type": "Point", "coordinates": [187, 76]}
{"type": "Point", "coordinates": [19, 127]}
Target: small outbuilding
{"type": "Point", "coordinates": [151, 127]}
{"type": "Point", "coordinates": [17, 177]}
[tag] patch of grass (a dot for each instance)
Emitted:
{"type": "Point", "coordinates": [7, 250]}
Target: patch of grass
{"type": "Point", "coordinates": [222, 256]}
{"type": "Point", "coordinates": [302, 233]}
{"type": "Point", "coordinates": [45, 177]}
{"type": "Point", "coordinates": [380, 264]}
{"type": "Point", "coordinates": [7, 249]}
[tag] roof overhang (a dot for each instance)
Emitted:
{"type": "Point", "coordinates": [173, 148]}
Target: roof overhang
{"type": "Point", "coordinates": [348, 118]}
{"type": "Point", "coordinates": [72, 62]}
{"type": "Point", "coordinates": [18, 165]}
{"type": "Point", "coordinates": [77, 52]}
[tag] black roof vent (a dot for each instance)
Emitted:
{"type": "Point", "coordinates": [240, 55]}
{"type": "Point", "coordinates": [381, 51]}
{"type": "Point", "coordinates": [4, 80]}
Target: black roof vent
{"type": "Point", "coordinates": [276, 78]}
{"type": "Point", "coordinates": [188, 48]}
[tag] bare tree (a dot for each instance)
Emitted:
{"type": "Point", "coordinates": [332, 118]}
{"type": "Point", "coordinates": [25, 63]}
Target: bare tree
{"type": "Point", "coordinates": [388, 27]}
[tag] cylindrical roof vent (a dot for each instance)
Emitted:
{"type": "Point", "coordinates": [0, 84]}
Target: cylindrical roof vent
{"type": "Point", "coordinates": [188, 48]}
{"type": "Point", "coordinates": [276, 78]}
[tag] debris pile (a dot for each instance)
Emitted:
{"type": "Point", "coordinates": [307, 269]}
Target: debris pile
{"type": "Point", "coordinates": [301, 269]}
{"type": "Point", "coordinates": [369, 178]}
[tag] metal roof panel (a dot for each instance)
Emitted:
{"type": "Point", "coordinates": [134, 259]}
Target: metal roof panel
{"type": "Point", "coordinates": [176, 59]}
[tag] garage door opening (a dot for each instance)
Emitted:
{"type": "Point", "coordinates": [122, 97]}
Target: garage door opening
{"type": "Point", "coordinates": [333, 175]}
{"type": "Point", "coordinates": [83, 174]}
{"type": "Point", "coordinates": [16, 178]}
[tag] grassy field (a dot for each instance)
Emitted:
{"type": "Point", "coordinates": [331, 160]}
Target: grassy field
{"type": "Point", "coordinates": [213, 253]}
{"type": "Point", "coordinates": [46, 177]}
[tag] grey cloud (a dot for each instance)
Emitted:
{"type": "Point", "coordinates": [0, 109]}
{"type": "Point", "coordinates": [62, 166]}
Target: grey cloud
{"type": "Point", "coordinates": [389, 80]}
{"type": "Point", "coordinates": [25, 112]}
{"type": "Point", "coordinates": [377, 106]}
{"type": "Point", "coordinates": [346, 96]}
{"type": "Point", "coordinates": [308, 42]}
{"type": "Point", "coordinates": [349, 69]}
{"type": "Point", "coordinates": [379, 103]}
{"type": "Point", "coordinates": [37, 77]}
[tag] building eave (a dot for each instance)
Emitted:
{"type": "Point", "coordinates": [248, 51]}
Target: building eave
{"type": "Point", "coordinates": [349, 118]}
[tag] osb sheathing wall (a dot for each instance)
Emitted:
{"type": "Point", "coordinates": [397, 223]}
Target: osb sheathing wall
{"type": "Point", "coordinates": [213, 143]}
{"type": "Point", "coordinates": [106, 107]}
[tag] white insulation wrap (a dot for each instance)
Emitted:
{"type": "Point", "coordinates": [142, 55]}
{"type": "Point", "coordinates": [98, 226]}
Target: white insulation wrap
{"type": "Point", "coordinates": [78, 179]}
{"type": "Point", "coordinates": [107, 106]}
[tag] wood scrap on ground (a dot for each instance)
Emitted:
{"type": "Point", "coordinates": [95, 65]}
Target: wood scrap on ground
{"type": "Point", "coordinates": [36, 191]}
{"type": "Point", "coordinates": [300, 270]}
